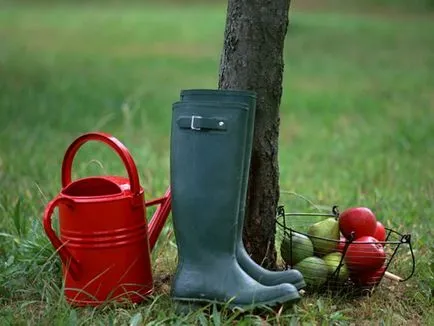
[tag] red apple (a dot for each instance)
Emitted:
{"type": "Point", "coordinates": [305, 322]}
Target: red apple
{"type": "Point", "coordinates": [380, 232]}
{"type": "Point", "coordinates": [365, 253]}
{"type": "Point", "coordinates": [368, 278]}
{"type": "Point", "coordinates": [359, 220]}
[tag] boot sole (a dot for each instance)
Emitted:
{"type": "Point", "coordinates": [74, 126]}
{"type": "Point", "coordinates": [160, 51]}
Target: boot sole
{"type": "Point", "coordinates": [186, 305]}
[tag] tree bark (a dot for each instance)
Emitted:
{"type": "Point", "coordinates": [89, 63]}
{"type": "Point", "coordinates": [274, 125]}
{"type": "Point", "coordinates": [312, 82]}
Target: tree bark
{"type": "Point", "coordinates": [252, 59]}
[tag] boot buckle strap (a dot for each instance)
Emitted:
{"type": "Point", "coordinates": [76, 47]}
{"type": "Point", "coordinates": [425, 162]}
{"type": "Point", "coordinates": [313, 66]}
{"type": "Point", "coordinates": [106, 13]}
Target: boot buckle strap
{"type": "Point", "coordinates": [193, 117]}
{"type": "Point", "coordinates": [198, 123]}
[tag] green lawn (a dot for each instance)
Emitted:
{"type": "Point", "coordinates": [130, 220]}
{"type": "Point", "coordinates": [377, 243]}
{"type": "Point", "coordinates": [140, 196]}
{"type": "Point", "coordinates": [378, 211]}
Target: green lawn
{"type": "Point", "coordinates": [357, 125]}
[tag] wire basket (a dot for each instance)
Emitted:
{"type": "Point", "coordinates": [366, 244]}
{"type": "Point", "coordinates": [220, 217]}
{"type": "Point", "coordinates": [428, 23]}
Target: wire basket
{"type": "Point", "coordinates": [344, 264]}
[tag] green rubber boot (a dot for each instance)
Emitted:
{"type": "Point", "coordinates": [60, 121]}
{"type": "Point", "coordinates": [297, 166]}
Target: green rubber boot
{"type": "Point", "coordinates": [248, 98]}
{"type": "Point", "coordinates": [206, 165]}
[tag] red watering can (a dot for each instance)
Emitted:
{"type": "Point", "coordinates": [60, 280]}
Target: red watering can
{"type": "Point", "coordinates": [104, 240]}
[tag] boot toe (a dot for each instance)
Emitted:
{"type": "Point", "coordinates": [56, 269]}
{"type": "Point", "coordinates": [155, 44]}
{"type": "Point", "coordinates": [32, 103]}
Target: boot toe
{"type": "Point", "coordinates": [291, 276]}
{"type": "Point", "coordinates": [269, 295]}
{"type": "Point", "coordinates": [265, 276]}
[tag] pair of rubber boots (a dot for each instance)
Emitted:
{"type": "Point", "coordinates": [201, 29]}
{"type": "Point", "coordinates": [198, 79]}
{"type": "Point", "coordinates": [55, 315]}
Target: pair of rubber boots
{"type": "Point", "coordinates": [211, 143]}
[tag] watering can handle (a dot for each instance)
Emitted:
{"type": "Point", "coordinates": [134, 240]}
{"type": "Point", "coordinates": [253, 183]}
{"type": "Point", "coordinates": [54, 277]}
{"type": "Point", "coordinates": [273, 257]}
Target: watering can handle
{"type": "Point", "coordinates": [115, 144]}
{"type": "Point", "coordinates": [68, 260]}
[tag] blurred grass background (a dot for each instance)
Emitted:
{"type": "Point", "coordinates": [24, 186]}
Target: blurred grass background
{"type": "Point", "coordinates": [357, 119]}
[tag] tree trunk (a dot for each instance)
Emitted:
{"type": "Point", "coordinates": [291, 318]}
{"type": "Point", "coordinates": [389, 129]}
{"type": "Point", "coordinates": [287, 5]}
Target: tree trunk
{"type": "Point", "coordinates": [252, 59]}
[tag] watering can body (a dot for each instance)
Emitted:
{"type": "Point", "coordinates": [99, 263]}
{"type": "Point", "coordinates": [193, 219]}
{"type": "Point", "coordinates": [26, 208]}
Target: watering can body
{"type": "Point", "coordinates": [104, 238]}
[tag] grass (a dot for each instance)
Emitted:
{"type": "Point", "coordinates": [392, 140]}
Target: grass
{"type": "Point", "coordinates": [356, 129]}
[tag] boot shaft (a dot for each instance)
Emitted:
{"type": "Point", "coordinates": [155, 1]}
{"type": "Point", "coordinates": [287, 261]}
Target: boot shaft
{"type": "Point", "coordinates": [237, 96]}
{"type": "Point", "coordinates": [206, 169]}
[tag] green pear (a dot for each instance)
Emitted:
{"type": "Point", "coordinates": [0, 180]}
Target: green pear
{"type": "Point", "coordinates": [322, 235]}
{"type": "Point", "coordinates": [332, 261]}
{"type": "Point", "coordinates": [314, 271]}
{"type": "Point", "coordinates": [295, 248]}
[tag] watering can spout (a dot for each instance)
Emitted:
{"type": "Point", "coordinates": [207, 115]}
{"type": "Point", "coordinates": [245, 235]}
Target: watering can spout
{"type": "Point", "coordinates": [159, 218]}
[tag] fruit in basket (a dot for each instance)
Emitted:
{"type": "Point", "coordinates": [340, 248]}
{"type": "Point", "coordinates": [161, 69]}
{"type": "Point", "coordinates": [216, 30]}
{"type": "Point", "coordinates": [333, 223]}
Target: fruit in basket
{"type": "Point", "coordinates": [368, 278]}
{"type": "Point", "coordinates": [359, 220]}
{"type": "Point", "coordinates": [295, 248]}
{"type": "Point", "coordinates": [380, 232]}
{"type": "Point", "coordinates": [314, 271]}
{"type": "Point", "coordinates": [322, 235]}
{"type": "Point", "coordinates": [365, 253]}
{"type": "Point", "coordinates": [332, 261]}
